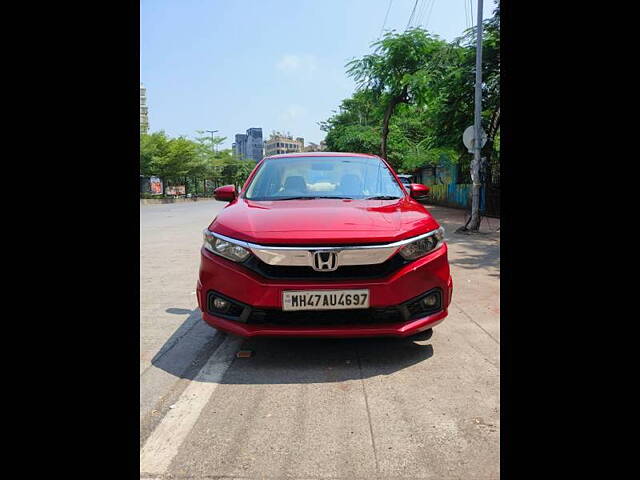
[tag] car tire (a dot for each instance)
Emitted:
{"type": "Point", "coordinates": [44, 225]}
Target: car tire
{"type": "Point", "coordinates": [424, 335]}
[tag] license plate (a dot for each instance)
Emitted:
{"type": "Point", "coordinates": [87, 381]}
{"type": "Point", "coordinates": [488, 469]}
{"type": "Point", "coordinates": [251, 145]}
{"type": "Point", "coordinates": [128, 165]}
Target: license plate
{"type": "Point", "coordinates": [324, 299]}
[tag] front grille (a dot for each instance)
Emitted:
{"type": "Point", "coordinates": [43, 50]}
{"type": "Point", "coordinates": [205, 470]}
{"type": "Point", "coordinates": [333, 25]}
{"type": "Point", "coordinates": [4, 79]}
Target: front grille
{"type": "Point", "coordinates": [275, 272]}
{"type": "Point", "coordinates": [369, 316]}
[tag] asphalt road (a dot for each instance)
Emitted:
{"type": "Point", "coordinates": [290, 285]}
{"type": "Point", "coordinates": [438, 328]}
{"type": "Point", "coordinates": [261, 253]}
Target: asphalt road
{"type": "Point", "coordinates": [311, 408]}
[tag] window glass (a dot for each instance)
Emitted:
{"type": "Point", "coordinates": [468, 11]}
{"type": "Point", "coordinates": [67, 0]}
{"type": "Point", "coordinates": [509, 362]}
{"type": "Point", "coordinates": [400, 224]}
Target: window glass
{"type": "Point", "coordinates": [349, 177]}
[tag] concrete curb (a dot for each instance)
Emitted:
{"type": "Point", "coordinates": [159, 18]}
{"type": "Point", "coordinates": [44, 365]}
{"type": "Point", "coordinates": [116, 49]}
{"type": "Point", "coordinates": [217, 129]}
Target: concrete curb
{"type": "Point", "coordinates": [160, 201]}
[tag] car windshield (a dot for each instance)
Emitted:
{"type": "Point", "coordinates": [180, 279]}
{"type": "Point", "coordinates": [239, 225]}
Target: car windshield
{"type": "Point", "coordinates": [405, 180]}
{"type": "Point", "coordinates": [291, 178]}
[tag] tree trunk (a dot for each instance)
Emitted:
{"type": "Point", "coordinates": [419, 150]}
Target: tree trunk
{"type": "Point", "coordinates": [402, 98]}
{"type": "Point", "coordinates": [494, 124]}
{"type": "Point", "coordinates": [491, 135]}
{"type": "Point", "coordinates": [385, 127]}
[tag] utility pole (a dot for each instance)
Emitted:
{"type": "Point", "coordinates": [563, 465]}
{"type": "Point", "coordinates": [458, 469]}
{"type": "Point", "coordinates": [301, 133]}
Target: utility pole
{"type": "Point", "coordinates": [474, 223]}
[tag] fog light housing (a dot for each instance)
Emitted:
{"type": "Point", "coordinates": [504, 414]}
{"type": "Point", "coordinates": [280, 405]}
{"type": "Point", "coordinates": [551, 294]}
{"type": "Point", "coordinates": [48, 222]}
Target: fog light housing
{"type": "Point", "coordinates": [430, 300]}
{"type": "Point", "coordinates": [220, 304]}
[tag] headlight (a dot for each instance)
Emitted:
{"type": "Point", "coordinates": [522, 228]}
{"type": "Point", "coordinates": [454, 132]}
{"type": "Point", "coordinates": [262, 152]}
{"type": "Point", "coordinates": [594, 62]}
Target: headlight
{"type": "Point", "coordinates": [421, 247]}
{"type": "Point", "coordinates": [224, 248]}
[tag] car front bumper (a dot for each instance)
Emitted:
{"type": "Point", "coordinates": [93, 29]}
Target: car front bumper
{"type": "Point", "coordinates": [247, 287]}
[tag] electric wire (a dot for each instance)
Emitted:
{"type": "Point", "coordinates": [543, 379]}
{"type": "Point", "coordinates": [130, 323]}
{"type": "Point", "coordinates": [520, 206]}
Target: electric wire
{"type": "Point", "coordinates": [421, 10]}
{"type": "Point", "coordinates": [466, 14]}
{"type": "Point", "coordinates": [385, 18]}
{"type": "Point", "coordinates": [426, 24]}
{"type": "Point", "coordinates": [471, 6]}
{"type": "Point", "coordinates": [412, 14]}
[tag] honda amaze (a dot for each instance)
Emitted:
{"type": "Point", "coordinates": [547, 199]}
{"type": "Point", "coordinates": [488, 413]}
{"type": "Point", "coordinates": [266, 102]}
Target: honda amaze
{"type": "Point", "coordinates": [323, 244]}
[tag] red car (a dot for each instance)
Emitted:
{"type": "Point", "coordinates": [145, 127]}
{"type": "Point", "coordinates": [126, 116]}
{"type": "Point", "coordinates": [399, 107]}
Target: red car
{"type": "Point", "coordinates": [407, 182]}
{"type": "Point", "coordinates": [323, 245]}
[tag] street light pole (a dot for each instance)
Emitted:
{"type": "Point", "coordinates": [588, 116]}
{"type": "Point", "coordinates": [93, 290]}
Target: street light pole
{"type": "Point", "coordinates": [474, 223]}
{"type": "Point", "coordinates": [213, 146]}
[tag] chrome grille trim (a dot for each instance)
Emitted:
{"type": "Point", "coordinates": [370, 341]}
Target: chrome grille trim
{"type": "Point", "coordinates": [303, 256]}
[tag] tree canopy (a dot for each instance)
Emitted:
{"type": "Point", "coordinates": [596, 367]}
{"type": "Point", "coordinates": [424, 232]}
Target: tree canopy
{"type": "Point", "coordinates": [414, 98]}
{"type": "Point", "coordinates": [401, 69]}
{"type": "Point", "coordinates": [190, 162]}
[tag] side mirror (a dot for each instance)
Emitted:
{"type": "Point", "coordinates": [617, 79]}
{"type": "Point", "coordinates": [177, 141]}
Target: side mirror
{"type": "Point", "coordinates": [226, 193]}
{"type": "Point", "coordinates": [418, 190]}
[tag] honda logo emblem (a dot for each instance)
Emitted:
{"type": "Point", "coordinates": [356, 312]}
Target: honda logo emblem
{"type": "Point", "coordinates": [325, 261]}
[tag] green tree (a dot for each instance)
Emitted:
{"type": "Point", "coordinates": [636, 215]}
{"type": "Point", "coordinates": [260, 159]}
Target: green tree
{"type": "Point", "coordinates": [210, 160]}
{"type": "Point", "coordinates": [153, 149]}
{"type": "Point", "coordinates": [235, 171]}
{"type": "Point", "coordinates": [428, 131]}
{"type": "Point", "coordinates": [208, 145]}
{"type": "Point", "coordinates": [242, 172]}
{"type": "Point", "coordinates": [453, 105]}
{"type": "Point", "coordinates": [356, 128]}
{"type": "Point", "coordinates": [402, 69]}
{"type": "Point", "coordinates": [190, 162]}
{"type": "Point", "coordinates": [176, 162]}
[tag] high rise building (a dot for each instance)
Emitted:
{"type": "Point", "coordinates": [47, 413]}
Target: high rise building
{"type": "Point", "coordinates": [279, 143]}
{"type": "Point", "coordinates": [249, 146]}
{"type": "Point", "coordinates": [144, 110]}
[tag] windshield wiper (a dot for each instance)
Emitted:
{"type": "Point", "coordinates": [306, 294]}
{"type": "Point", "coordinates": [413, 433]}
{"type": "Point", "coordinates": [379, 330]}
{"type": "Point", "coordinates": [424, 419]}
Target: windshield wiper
{"type": "Point", "coordinates": [382, 197]}
{"type": "Point", "coordinates": [305, 198]}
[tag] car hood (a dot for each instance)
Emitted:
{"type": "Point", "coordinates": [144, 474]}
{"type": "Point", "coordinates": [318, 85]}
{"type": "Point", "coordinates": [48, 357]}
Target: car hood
{"type": "Point", "coordinates": [323, 221]}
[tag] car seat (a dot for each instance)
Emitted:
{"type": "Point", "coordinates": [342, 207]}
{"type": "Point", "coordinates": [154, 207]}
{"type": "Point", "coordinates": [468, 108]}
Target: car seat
{"type": "Point", "coordinates": [294, 185]}
{"type": "Point", "coordinates": [350, 184]}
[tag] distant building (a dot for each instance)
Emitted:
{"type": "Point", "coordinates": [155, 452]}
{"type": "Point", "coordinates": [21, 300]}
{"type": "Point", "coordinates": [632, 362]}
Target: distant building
{"type": "Point", "coordinates": [314, 147]}
{"type": "Point", "coordinates": [279, 143]}
{"type": "Point", "coordinates": [240, 145]}
{"type": "Point", "coordinates": [249, 146]}
{"type": "Point", "coordinates": [144, 110]}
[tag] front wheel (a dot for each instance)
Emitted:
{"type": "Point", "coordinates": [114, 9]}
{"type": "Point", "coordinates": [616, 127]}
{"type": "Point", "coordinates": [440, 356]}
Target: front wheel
{"type": "Point", "coordinates": [424, 335]}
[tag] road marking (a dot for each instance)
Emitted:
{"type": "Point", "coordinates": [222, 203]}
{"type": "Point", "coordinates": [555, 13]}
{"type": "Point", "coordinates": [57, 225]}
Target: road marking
{"type": "Point", "coordinates": [163, 443]}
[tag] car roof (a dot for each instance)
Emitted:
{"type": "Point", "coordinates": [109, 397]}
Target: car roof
{"type": "Point", "coordinates": [321, 154]}
{"type": "Point", "coordinates": [405, 175]}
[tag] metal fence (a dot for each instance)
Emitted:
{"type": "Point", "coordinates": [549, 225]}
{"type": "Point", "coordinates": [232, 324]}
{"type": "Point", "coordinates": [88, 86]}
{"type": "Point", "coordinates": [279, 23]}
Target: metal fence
{"type": "Point", "coordinates": [458, 195]}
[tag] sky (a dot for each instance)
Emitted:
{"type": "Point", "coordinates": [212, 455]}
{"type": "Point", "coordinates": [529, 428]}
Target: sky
{"type": "Point", "coordinates": [230, 65]}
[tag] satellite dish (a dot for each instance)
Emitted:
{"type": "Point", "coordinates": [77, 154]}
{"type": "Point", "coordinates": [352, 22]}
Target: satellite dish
{"type": "Point", "coordinates": [468, 138]}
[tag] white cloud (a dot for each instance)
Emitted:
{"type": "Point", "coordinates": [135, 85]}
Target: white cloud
{"type": "Point", "coordinates": [297, 64]}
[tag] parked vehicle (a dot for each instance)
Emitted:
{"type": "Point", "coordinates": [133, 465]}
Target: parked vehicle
{"type": "Point", "coordinates": [407, 182]}
{"type": "Point", "coordinates": [406, 179]}
{"type": "Point", "coordinates": [323, 244]}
